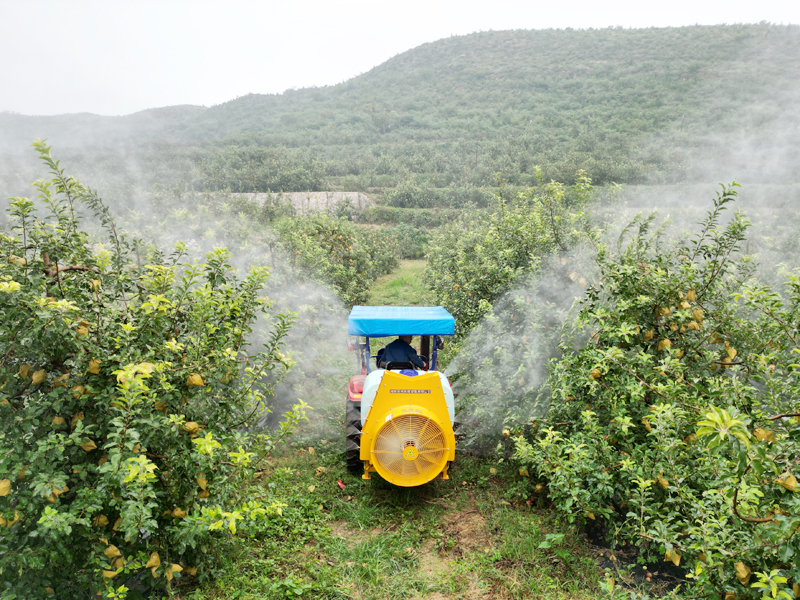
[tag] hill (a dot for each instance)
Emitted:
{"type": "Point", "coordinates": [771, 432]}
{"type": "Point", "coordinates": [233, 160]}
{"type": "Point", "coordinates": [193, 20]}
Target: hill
{"type": "Point", "coordinates": [435, 124]}
{"type": "Point", "coordinates": [82, 129]}
{"type": "Point", "coordinates": [571, 98]}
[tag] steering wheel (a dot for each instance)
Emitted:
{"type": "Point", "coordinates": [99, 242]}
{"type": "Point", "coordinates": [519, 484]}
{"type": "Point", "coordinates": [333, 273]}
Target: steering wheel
{"type": "Point", "coordinates": [425, 360]}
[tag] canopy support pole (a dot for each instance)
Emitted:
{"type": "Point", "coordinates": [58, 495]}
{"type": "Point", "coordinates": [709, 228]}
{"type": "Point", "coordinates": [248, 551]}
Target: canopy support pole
{"type": "Point", "coordinates": [425, 346]}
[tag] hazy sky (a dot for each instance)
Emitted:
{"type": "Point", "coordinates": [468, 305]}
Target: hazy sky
{"type": "Point", "coordinates": [119, 56]}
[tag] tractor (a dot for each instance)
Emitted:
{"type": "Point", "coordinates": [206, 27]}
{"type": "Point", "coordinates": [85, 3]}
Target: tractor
{"type": "Point", "coordinates": [399, 418]}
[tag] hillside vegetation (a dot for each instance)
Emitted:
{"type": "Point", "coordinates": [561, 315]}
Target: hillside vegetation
{"type": "Point", "coordinates": [439, 121]}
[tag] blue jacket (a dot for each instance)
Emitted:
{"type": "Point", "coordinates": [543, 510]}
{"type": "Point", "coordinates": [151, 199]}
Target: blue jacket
{"type": "Point", "coordinates": [399, 351]}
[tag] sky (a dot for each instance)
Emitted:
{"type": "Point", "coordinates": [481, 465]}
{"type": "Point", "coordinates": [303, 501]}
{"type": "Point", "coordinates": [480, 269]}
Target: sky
{"type": "Point", "coordinates": [114, 57]}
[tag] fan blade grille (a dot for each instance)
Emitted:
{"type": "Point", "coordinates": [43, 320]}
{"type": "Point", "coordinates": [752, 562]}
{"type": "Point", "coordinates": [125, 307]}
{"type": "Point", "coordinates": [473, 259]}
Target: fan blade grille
{"type": "Point", "coordinates": [411, 430]}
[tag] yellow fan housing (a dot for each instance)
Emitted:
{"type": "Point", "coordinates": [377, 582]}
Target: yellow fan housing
{"type": "Point", "coordinates": [407, 436]}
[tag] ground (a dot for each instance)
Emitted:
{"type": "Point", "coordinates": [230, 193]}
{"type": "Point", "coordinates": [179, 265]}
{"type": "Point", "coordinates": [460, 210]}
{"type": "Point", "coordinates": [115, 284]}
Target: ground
{"type": "Point", "coordinates": [448, 540]}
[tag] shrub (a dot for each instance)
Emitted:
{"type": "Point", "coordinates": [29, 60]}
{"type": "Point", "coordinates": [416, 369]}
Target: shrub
{"type": "Point", "coordinates": [337, 253]}
{"type": "Point", "coordinates": [411, 242]}
{"type": "Point", "coordinates": [409, 195]}
{"type": "Point", "coordinates": [126, 382]}
{"type": "Point", "coordinates": [671, 419]}
{"type": "Point", "coordinates": [476, 259]}
{"type": "Point", "coordinates": [249, 168]}
{"type": "Point", "coordinates": [421, 218]}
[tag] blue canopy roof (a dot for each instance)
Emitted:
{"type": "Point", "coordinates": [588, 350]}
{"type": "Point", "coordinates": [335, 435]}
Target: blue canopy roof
{"type": "Point", "coordinates": [385, 321]}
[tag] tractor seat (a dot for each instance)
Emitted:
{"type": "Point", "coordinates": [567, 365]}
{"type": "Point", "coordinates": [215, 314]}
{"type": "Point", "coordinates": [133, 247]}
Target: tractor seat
{"type": "Point", "coordinates": [399, 365]}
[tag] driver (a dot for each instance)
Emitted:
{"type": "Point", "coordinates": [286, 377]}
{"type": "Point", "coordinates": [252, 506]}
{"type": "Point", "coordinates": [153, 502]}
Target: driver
{"type": "Point", "coordinates": [400, 350]}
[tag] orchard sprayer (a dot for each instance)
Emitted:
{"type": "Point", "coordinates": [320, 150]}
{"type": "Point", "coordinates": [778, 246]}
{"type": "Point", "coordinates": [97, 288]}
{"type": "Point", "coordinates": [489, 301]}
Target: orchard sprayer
{"type": "Point", "coordinates": [399, 417]}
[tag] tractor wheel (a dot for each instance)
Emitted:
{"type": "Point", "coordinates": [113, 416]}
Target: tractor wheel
{"type": "Point", "coordinates": [352, 432]}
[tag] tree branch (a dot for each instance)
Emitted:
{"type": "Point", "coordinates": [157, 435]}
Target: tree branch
{"type": "Point", "coordinates": [78, 268]}
{"type": "Point", "coordinates": [776, 417]}
{"type": "Point", "coordinates": [747, 519]}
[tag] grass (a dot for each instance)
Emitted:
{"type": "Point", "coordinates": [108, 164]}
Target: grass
{"type": "Point", "coordinates": [448, 540]}
{"type": "Point", "coordinates": [402, 287]}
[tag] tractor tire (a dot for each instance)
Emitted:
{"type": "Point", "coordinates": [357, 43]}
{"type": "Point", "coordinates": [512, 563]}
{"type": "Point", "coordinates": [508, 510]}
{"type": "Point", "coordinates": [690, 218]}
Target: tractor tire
{"type": "Point", "coordinates": [352, 433]}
